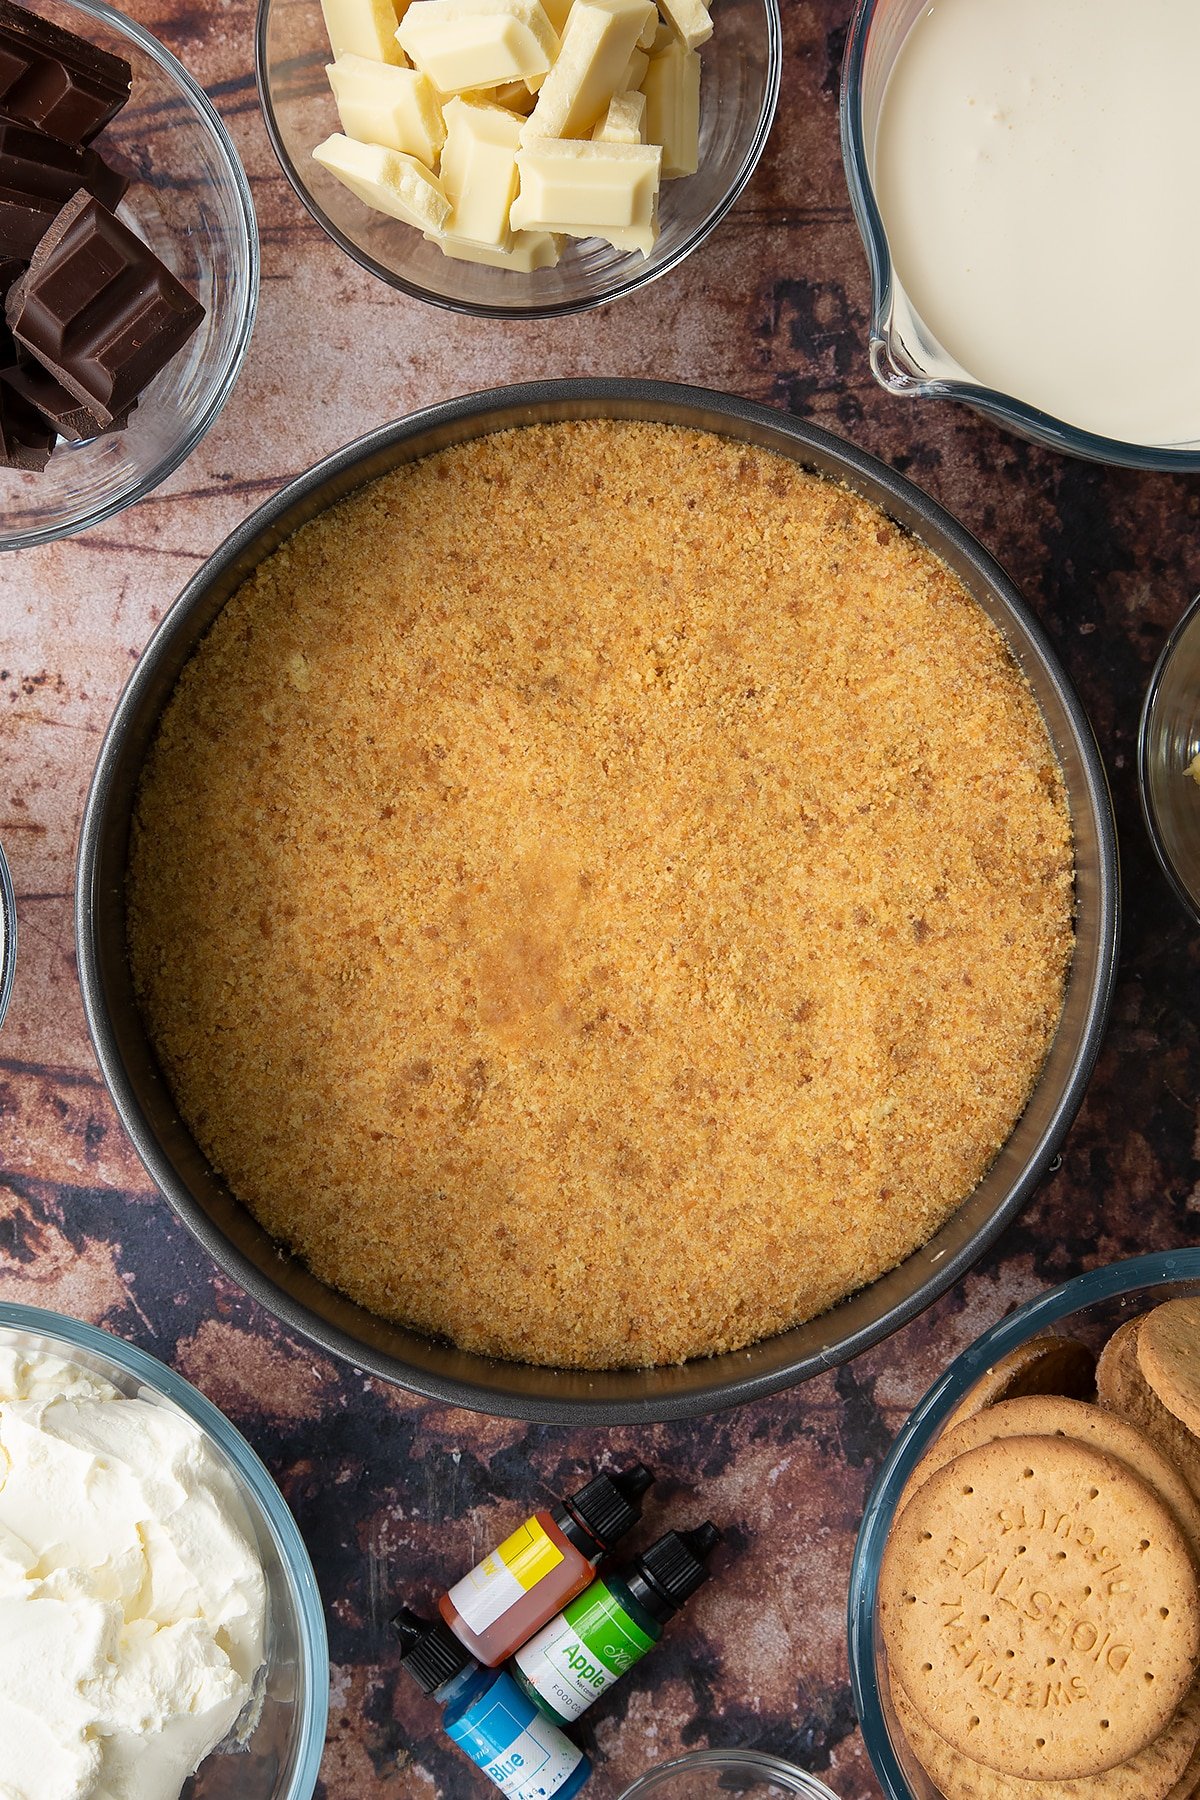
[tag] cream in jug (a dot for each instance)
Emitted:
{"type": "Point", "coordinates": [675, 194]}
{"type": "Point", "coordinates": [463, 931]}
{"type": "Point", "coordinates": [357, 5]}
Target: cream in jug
{"type": "Point", "coordinates": [1036, 168]}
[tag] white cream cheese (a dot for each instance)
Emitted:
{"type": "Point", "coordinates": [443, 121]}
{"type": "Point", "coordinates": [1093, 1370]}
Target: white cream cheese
{"type": "Point", "coordinates": [1036, 165]}
{"type": "Point", "coordinates": [132, 1600]}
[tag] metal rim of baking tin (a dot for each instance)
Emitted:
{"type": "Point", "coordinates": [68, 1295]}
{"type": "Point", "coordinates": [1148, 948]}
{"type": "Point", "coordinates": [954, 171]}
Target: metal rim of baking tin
{"type": "Point", "coordinates": [479, 309]}
{"type": "Point", "coordinates": [1188, 899]}
{"type": "Point", "coordinates": [440, 1371]}
{"type": "Point", "coordinates": [8, 935]}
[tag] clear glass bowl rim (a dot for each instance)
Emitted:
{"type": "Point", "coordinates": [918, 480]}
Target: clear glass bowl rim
{"type": "Point", "coordinates": [1040, 1314]}
{"type": "Point", "coordinates": [732, 1762]}
{"type": "Point", "coordinates": [1183, 893]}
{"type": "Point", "coordinates": [117, 503]}
{"type": "Point", "coordinates": [293, 1555]}
{"type": "Point", "coordinates": [8, 935]}
{"type": "Point", "coordinates": [1027, 421]}
{"type": "Point", "coordinates": [642, 276]}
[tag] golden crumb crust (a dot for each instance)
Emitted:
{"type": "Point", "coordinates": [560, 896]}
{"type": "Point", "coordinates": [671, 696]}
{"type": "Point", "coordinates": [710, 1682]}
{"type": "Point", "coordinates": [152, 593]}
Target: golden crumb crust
{"type": "Point", "coordinates": [601, 894]}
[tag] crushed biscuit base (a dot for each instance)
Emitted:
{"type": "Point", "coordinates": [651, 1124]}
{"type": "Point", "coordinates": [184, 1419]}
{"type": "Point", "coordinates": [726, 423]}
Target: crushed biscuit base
{"type": "Point", "coordinates": [601, 894]}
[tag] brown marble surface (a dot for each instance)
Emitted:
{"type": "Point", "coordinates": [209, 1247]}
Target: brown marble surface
{"type": "Point", "coordinates": [395, 1496]}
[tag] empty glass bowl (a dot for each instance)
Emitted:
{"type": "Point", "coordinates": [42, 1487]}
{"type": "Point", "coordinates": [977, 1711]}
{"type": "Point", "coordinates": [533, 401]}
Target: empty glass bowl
{"type": "Point", "coordinates": [723, 1774]}
{"type": "Point", "coordinates": [1168, 740]}
{"type": "Point", "coordinates": [282, 1756]}
{"type": "Point", "coordinates": [740, 72]}
{"type": "Point", "coordinates": [8, 936]}
{"type": "Point", "coordinates": [189, 199]}
{"type": "Point", "coordinates": [1089, 1308]}
{"type": "Point", "coordinates": [906, 357]}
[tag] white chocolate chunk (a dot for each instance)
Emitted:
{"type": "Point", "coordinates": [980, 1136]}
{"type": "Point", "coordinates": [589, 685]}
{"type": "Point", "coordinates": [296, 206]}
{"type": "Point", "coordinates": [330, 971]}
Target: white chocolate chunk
{"type": "Point", "coordinates": [514, 95]}
{"type": "Point", "coordinates": [363, 28]}
{"type": "Point", "coordinates": [526, 250]}
{"type": "Point", "coordinates": [672, 90]}
{"type": "Point", "coordinates": [600, 38]}
{"type": "Point", "coordinates": [467, 44]}
{"type": "Point", "coordinates": [381, 104]}
{"type": "Point", "coordinates": [691, 20]}
{"type": "Point", "coordinates": [635, 74]}
{"type": "Point", "coordinates": [387, 180]}
{"type": "Point", "coordinates": [636, 237]}
{"type": "Point", "coordinates": [588, 189]}
{"type": "Point", "coordinates": [479, 170]}
{"type": "Point", "coordinates": [624, 122]}
{"type": "Point", "coordinates": [651, 31]}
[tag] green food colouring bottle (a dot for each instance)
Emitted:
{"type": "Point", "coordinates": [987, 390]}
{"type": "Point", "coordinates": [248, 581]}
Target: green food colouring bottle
{"type": "Point", "coordinates": [598, 1637]}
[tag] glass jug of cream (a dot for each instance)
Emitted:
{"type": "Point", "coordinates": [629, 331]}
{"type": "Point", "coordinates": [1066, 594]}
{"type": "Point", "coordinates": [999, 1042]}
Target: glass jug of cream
{"type": "Point", "coordinates": [1015, 169]}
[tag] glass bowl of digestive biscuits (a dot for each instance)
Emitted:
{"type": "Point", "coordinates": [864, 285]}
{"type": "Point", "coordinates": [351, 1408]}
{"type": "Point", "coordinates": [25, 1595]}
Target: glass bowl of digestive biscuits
{"type": "Point", "coordinates": [1024, 1602]}
{"type": "Point", "coordinates": [423, 173]}
{"type": "Point", "coordinates": [516, 944]}
{"type": "Point", "coordinates": [140, 306]}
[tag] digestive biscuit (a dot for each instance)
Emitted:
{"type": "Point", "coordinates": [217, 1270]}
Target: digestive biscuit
{"type": "Point", "coordinates": [1124, 1389]}
{"type": "Point", "coordinates": [1045, 1365]}
{"type": "Point", "coordinates": [1039, 1604]}
{"type": "Point", "coordinates": [1158, 1772]}
{"type": "Point", "coordinates": [1168, 1349]}
{"type": "Point", "coordinates": [1048, 1415]}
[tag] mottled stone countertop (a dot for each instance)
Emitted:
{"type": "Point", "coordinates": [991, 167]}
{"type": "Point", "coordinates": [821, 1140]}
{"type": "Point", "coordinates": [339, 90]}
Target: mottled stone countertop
{"type": "Point", "coordinates": [394, 1495]}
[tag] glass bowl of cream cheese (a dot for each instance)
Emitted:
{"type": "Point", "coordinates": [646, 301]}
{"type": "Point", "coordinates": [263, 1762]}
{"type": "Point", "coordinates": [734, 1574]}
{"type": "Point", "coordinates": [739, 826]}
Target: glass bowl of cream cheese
{"type": "Point", "coordinates": [160, 1625]}
{"type": "Point", "coordinates": [1014, 171]}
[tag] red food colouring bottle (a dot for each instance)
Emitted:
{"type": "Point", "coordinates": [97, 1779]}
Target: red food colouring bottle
{"type": "Point", "coordinates": [539, 1569]}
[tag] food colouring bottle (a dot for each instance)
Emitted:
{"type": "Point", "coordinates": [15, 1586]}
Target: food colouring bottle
{"type": "Point", "coordinates": [488, 1717]}
{"type": "Point", "coordinates": [536, 1571]}
{"type": "Point", "coordinates": [611, 1626]}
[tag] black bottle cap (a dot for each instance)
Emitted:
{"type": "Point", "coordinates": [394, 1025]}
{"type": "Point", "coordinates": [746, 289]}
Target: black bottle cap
{"type": "Point", "coordinates": [610, 1505]}
{"type": "Point", "coordinates": [430, 1653]}
{"type": "Point", "coordinates": [673, 1568]}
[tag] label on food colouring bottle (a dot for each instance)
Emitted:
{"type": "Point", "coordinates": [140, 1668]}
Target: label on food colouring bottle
{"type": "Point", "coordinates": [506, 1736]}
{"type": "Point", "coordinates": [500, 1580]}
{"type": "Point", "coordinates": [577, 1656]}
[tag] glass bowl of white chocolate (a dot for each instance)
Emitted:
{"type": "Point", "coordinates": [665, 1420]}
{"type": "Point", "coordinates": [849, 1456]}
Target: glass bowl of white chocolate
{"type": "Point", "coordinates": [518, 158]}
{"type": "Point", "coordinates": [163, 1631]}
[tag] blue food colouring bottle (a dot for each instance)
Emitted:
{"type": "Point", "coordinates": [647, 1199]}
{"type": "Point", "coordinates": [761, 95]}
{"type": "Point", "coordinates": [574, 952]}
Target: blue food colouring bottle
{"type": "Point", "coordinates": [488, 1716]}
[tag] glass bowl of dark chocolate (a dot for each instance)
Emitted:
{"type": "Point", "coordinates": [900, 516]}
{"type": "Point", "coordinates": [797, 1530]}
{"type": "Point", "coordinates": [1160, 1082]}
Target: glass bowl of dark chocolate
{"type": "Point", "coordinates": [132, 369]}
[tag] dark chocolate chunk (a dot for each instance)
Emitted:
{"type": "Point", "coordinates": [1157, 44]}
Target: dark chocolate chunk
{"type": "Point", "coordinates": [38, 175]}
{"type": "Point", "coordinates": [55, 80]}
{"type": "Point", "coordinates": [99, 310]}
{"type": "Point", "coordinates": [38, 388]}
{"type": "Point", "coordinates": [26, 440]}
{"type": "Point", "coordinates": [11, 270]}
